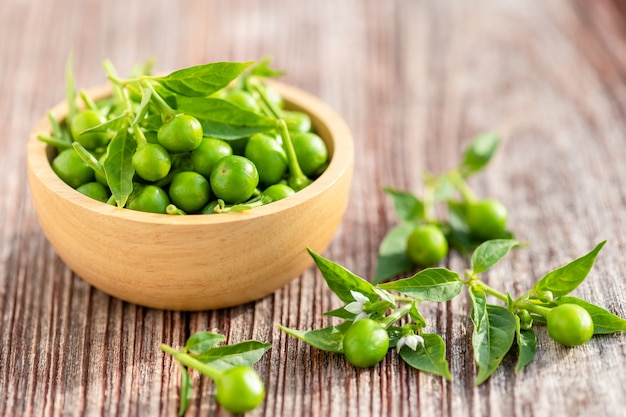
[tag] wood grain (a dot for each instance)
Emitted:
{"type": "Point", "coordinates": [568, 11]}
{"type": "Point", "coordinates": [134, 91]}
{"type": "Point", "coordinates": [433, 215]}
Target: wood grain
{"type": "Point", "coordinates": [415, 81]}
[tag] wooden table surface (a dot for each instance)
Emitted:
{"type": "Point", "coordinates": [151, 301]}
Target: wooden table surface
{"type": "Point", "coordinates": [414, 81]}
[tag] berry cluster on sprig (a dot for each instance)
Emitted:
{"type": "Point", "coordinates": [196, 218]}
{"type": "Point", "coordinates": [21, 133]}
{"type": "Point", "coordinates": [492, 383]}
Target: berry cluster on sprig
{"type": "Point", "coordinates": [382, 315]}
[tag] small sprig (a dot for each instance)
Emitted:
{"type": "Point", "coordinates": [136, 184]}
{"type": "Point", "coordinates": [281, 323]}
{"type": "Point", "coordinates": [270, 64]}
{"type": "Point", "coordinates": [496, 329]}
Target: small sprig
{"type": "Point", "coordinates": [496, 326]}
{"type": "Point", "coordinates": [239, 388]}
{"type": "Point", "coordinates": [421, 239]}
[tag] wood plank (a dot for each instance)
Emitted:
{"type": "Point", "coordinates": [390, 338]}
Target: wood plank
{"type": "Point", "coordinates": [415, 81]}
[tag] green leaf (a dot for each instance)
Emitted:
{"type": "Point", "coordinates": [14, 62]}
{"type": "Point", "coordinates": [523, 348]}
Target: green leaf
{"type": "Point", "coordinates": [328, 339]}
{"type": "Point", "coordinates": [115, 124]}
{"type": "Point", "coordinates": [431, 284]}
{"type": "Point", "coordinates": [341, 281]}
{"type": "Point", "coordinates": [239, 354]}
{"type": "Point", "coordinates": [392, 259]}
{"type": "Point", "coordinates": [88, 158]}
{"type": "Point", "coordinates": [408, 207]}
{"type": "Point", "coordinates": [222, 119]}
{"type": "Point", "coordinates": [479, 153]}
{"type": "Point", "coordinates": [428, 358]}
{"type": "Point", "coordinates": [263, 69]}
{"type": "Point", "coordinates": [494, 331]}
{"type": "Point", "coordinates": [565, 279]}
{"type": "Point", "coordinates": [491, 252]}
{"type": "Point", "coordinates": [526, 344]}
{"type": "Point", "coordinates": [604, 322]}
{"type": "Point", "coordinates": [202, 80]}
{"type": "Point", "coordinates": [118, 166]}
{"type": "Point", "coordinates": [202, 341]}
{"type": "Point", "coordinates": [186, 390]}
{"type": "Point", "coordinates": [146, 95]}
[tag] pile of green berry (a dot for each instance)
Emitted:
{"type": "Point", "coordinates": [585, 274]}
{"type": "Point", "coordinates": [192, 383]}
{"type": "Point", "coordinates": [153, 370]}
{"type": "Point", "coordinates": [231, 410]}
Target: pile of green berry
{"type": "Point", "coordinates": [206, 139]}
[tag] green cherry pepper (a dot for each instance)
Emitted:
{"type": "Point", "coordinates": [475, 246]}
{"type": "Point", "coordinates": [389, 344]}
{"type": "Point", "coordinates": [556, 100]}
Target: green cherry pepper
{"type": "Point", "coordinates": [182, 133]}
{"type": "Point", "coordinates": [234, 179]}
{"type": "Point", "coordinates": [297, 121]}
{"type": "Point", "coordinates": [243, 100]}
{"type": "Point", "coordinates": [311, 152]}
{"type": "Point", "coordinates": [205, 156]}
{"type": "Point", "coordinates": [149, 198]}
{"type": "Point", "coordinates": [95, 190]}
{"type": "Point", "coordinates": [152, 162]}
{"type": "Point", "coordinates": [426, 245]}
{"type": "Point", "coordinates": [486, 218]}
{"type": "Point", "coordinates": [365, 343]}
{"type": "Point", "coordinates": [71, 168]}
{"type": "Point", "coordinates": [570, 324]}
{"type": "Point", "coordinates": [189, 191]}
{"type": "Point", "coordinates": [86, 119]}
{"type": "Point", "coordinates": [268, 156]}
{"type": "Point", "coordinates": [239, 389]}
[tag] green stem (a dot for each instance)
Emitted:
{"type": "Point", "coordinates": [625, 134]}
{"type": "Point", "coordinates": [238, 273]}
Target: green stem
{"type": "Point", "coordinates": [489, 290]}
{"type": "Point", "coordinates": [534, 308]}
{"type": "Point", "coordinates": [191, 362]}
{"type": "Point", "coordinates": [396, 315]}
{"type": "Point", "coordinates": [253, 84]}
{"type": "Point", "coordinates": [461, 185]}
{"type": "Point", "coordinates": [167, 112]}
{"type": "Point", "coordinates": [297, 180]}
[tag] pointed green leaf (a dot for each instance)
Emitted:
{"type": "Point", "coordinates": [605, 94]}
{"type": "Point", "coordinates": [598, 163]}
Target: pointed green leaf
{"type": "Point", "coordinates": [526, 345]}
{"type": "Point", "coordinates": [491, 252]}
{"type": "Point", "coordinates": [239, 354]}
{"type": "Point", "coordinates": [186, 390]}
{"type": "Point", "coordinates": [118, 166]}
{"type": "Point", "coordinates": [202, 80]}
{"type": "Point", "coordinates": [70, 88]}
{"type": "Point", "coordinates": [146, 95]}
{"type": "Point", "coordinates": [565, 279]}
{"type": "Point", "coordinates": [479, 153]}
{"type": "Point", "coordinates": [493, 335]}
{"type": "Point", "coordinates": [222, 119]}
{"type": "Point", "coordinates": [328, 339]}
{"type": "Point", "coordinates": [202, 341]}
{"type": "Point", "coordinates": [392, 259]}
{"type": "Point", "coordinates": [88, 158]}
{"type": "Point", "coordinates": [604, 322]}
{"type": "Point", "coordinates": [341, 281]}
{"type": "Point", "coordinates": [431, 284]}
{"type": "Point", "coordinates": [408, 207]}
{"type": "Point", "coordinates": [428, 358]}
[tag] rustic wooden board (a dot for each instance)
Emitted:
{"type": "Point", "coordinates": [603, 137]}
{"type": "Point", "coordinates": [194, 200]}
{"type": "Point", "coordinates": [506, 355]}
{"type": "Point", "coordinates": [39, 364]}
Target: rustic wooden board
{"type": "Point", "coordinates": [415, 81]}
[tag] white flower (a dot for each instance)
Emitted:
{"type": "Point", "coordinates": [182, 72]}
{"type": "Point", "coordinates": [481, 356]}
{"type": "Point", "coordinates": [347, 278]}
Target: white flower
{"type": "Point", "coordinates": [358, 306]}
{"type": "Point", "coordinates": [411, 341]}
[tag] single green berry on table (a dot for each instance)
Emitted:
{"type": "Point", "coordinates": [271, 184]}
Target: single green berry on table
{"type": "Point", "coordinates": [239, 389]}
{"type": "Point", "coordinates": [486, 218]}
{"type": "Point", "coordinates": [570, 325]}
{"type": "Point", "coordinates": [427, 245]}
{"type": "Point", "coordinates": [365, 343]}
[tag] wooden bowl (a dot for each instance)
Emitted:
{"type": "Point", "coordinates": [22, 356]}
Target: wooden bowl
{"type": "Point", "coordinates": [194, 262]}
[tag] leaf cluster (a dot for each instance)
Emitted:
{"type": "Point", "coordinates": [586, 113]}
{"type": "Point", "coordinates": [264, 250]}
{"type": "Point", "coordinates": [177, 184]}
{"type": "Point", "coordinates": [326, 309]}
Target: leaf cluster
{"type": "Point", "coordinates": [497, 326]}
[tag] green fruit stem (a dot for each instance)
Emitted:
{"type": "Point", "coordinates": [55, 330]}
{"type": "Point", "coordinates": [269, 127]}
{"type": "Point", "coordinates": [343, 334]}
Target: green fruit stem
{"type": "Point", "coordinates": [297, 180]}
{"type": "Point", "coordinates": [396, 315]}
{"type": "Point", "coordinates": [166, 111]}
{"type": "Point", "coordinates": [461, 185]}
{"type": "Point", "coordinates": [252, 84]}
{"type": "Point", "coordinates": [191, 362]}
